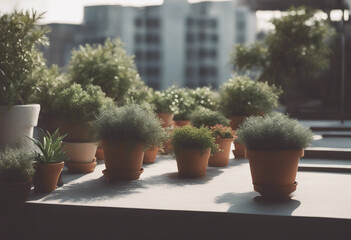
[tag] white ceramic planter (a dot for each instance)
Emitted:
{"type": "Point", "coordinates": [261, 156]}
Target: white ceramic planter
{"type": "Point", "coordinates": [17, 121]}
{"type": "Point", "coordinates": [80, 152]}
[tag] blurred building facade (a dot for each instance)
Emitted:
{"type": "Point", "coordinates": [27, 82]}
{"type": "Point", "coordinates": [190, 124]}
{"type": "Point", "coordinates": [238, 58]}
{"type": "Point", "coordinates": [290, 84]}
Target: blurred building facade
{"type": "Point", "coordinates": [187, 44]}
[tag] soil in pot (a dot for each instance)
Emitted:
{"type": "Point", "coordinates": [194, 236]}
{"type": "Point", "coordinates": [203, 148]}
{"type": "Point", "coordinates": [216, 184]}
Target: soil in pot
{"type": "Point", "coordinates": [167, 119]}
{"type": "Point", "coordinates": [274, 172]}
{"type": "Point", "coordinates": [192, 163]}
{"type": "Point", "coordinates": [221, 159]}
{"type": "Point", "coordinates": [46, 176]}
{"type": "Point", "coordinates": [122, 158]}
{"type": "Point", "coordinates": [150, 155]}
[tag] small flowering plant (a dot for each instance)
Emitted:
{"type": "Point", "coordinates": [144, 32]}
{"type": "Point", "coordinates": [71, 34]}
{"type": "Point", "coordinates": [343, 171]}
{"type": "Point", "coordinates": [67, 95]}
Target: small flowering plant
{"type": "Point", "coordinates": [205, 97]}
{"type": "Point", "coordinates": [219, 131]}
{"type": "Point", "coordinates": [165, 101]}
{"type": "Point", "coordinates": [186, 104]}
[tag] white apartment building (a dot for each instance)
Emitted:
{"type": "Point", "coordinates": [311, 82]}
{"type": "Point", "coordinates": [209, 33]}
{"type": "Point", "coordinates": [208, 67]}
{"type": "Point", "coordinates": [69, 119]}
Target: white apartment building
{"type": "Point", "coordinates": [187, 44]}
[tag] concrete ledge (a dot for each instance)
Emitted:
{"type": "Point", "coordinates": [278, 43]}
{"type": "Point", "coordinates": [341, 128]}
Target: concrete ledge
{"type": "Point", "coordinates": [328, 153]}
{"type": "Point", "coordinates": [43, 221]}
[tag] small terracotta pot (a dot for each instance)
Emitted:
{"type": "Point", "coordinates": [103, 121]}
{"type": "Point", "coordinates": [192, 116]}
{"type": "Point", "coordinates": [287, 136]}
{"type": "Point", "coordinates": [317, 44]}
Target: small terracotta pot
{"type": "Point", "coordinates": [79, 167]}
{"type": "Point", "coordinates": [181, 123]}
{"type": "Point", "coordinates": [167, 119]}
{"type": "Point", "coordinates": [221, 159]}
{"type": "Point", "coordinates": [192, 163]}
{"type": "Point", "coordinates": [235, 121]}
{"type": "Point", "coordinates": [150, 155]}
{"type": "Point", "coordinates": [14, 194]}
{"type": "Point", "coordinates": [76, 131]}
{"type": "Point", "coordinates": [122, 158]}
{"type": "Point", "coordinates": [239, 150]}
{"type": "Point", "coordinates": [274, 172]}
{"type": "Point", "coordinates": [167, 147]}
{"type": "Point", "coordinates": [46, 176]}
{"type": "Point", "coordinates": [99, 153]}
{"type": "Point", "coordinates": [82, 152]}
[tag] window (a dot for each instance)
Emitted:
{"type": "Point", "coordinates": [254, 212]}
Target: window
{"type": "Point", "coordinates": [137, 22]}
{"type": "Point", "coordinates": [138, 55]}
{"type": "Point", "coordinates": [214, 38]}
{"type": "Point", "coordinates": [152, 23]}
{"type": "Point", "coordinates": [191, 54]}
{"type": "Point", "coordinates": [138, 38]}
{"type": "Point", "coordinates": [202, 37]}
{"type": "Point", "coordinates": [190, 38]}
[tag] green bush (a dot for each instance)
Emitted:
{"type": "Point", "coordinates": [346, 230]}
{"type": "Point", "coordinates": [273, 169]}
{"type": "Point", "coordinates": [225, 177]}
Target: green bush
{"type": "Point", "coordinates": [185, 103]}
{"type": "Point", "coordinates": [219, 131]}
{"type": "Point", "coordinates": [293, 56]}
{"type": "Point", "coordinates": [107, 66]}
{"type": "Point", "coordinates": [130, 123]}
{"type": "Point", "coordinates": [79, 105]}
{"type": "Point", "coordinates": [164, 101]}
{"type": "Point", "coordinates": [50, 85]}
{"type": "Point", "coordinates": [16, 165]}
{"type": "Point", "coordinates": [193, 138]}
{"type": "Point", "coordinates": [51, 148]}
{"type": "Point", "coordinates": [243, 97]}
{"type": "Point", "coordinates": [208, 118]}
{"type": "Point", "coordinates": [273, 132]}
{"type": "Point", "coordinates": [205, 97]}
{"type": "Point", "coordinates": [19, 58]}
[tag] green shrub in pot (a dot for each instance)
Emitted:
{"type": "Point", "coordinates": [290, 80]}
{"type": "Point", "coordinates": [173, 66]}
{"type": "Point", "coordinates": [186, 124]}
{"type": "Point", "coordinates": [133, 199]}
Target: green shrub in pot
{"type": "Point", "coordinates": [108, 66]}
{"type": "Point", "coordinates": [208, 118]}
{"type": "Point", "coordinates": [185, 103]}
{"type": "Point", "coordinates": [16, 172]}
{"type": "Point", "coordinates": [192, 147]}
{"type": "Point", "coordinates": [20, 64]}
{"type": "Point", "coordinates": [125, 133]}
{"type": "Point", "coordinates": [274, 145]}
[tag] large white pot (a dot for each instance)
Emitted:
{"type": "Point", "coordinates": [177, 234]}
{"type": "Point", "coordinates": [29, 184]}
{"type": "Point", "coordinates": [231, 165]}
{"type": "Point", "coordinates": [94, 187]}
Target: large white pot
{"type": "Point", "coordinates": [17, 121]}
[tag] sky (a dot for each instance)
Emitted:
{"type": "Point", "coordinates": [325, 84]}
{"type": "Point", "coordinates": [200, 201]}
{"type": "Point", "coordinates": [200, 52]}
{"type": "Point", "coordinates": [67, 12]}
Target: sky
{"type": "Point", "coordinates": [71, 11]}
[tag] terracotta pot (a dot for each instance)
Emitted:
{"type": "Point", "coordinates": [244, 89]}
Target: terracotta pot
{"type": "Point", "coordinates": [76, 131]}
{"type": "Point", "coordinates": [221, 159]}
{"type": "Point", "coordinates": [235, 121]}
{"type": "Point", "coordinates": [181, 123]}
{"type": "Point", "coordinates": [46, 176]}
{"type": "Point", "coordinates": [99, 153]}
{"type": "Point", "coordinates": [150, 155]}
{"type": "Point", "coordinates": [17, 122]}
{"type": "Point", "coordinates": [122, 158]}
{"type": "Point", "coordinates": [239, 150]}
{"type": "Point", "coordinates": [192, 163]}
{"type": "Point", "coordinates": [14, 194]}
{"type": "Point", "coordinates": [167, 147]}
{"type": "Point", "coordinates": [83, 152]}
{"type": "Point", "coordinates": [167, 119]}
{"type": "Point", "coordinates": [79, 167]}
{"type": "Point", "coordinates": [123, 176]}
{"type": "Point", "coordinates": [274, 172]}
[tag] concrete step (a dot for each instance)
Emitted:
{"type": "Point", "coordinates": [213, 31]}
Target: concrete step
{"type": "Point", "coordinates": [328, 153]}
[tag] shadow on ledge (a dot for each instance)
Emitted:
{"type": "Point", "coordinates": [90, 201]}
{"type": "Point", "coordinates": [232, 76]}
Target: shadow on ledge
{"type": "Point", "coordinates": [94, 189]}
{"type": "Point", "coordinates": [174, 179]}
{"type": "Point", "coordinates": [251, 203]}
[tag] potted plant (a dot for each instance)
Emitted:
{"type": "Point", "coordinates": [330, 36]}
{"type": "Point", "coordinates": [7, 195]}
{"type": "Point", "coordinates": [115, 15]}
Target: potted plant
{"type": "Point", "coordinates": [109, 66]}
{"type": "Point", "coordinates": [186, 105]}
{"type": "Point", "coordinates": [49, 162]}
{"type": "Point", "coordinates": [205, 97]}
{"type": "Point", "coordinates": [192, 147]}
{"type": "Point", "coordinates": [224, 137]}
{"type": "Point", "coordinates": [75, 109]}
{"type": "Point", "coordinates": [241, 97]}
{"type": "Point", "coordinates": [20, 62]}
{"type": "Point", "coordinates": [274, 145]}
{"type": "Point", "coordinates": [125, 134]}
{"type": "Point", "coordinates": [165, 105]}
{"type": "Point", "coordinates": [208, 118]}
{"type": "Point", "coordinates": [16, 172]}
